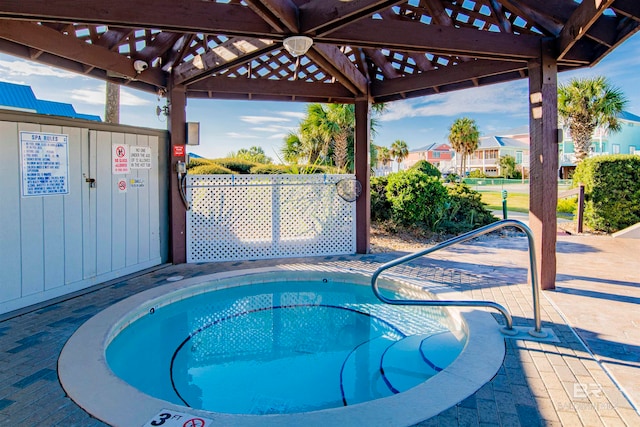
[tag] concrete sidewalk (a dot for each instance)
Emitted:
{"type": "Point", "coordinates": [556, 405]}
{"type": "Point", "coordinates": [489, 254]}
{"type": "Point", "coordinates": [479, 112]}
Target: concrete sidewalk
{"type": "Point", "coordinates": [597, 292]}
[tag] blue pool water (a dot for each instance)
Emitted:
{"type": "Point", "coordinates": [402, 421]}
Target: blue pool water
{"type": "Point", "coordinates": [282, 347]}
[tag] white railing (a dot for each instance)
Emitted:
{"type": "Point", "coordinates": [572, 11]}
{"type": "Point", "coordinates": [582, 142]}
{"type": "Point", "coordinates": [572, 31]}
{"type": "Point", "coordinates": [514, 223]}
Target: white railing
{"type": "Point", "coordinates": [243, 217]}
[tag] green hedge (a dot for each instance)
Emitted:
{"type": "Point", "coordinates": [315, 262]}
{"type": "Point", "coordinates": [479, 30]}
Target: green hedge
{"type": "Point", "coordinates": [426, 168]}
{"type": "Point", "coordinates": [236, 165]}
{"type": "Point", "coordinates": [413, 199]}
{"type": "Point", "coordinates": [270, 169]}
{"type": "Point", "coordinates": [209, 169]}
{"type": "Point", "coordinates": [612, 191]}
{"type": "Point", "coordinates": [416, 199]}
{"type": "Point", "coordinates": [197, 161]}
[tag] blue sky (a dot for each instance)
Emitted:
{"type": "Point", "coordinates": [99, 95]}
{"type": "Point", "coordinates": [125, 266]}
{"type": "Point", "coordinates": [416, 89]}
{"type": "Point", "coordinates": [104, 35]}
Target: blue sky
{"type": "Point", "coordinates": [227, 126]}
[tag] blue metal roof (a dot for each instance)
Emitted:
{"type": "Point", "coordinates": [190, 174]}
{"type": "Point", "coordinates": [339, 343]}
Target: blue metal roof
{"type": "Point", "coordinates": [17, 97]}
{"type": "Point", "coordinates": [20, 97]}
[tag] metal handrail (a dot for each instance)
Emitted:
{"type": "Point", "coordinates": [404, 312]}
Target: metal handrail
{"type": "Point", "coordinates": [537, 332]}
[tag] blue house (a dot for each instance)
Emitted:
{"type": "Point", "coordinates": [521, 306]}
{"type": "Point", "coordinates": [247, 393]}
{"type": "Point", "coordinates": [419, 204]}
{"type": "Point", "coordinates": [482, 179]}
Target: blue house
{"type": "Point", "coordinates": [626, 141]}
{"type": "Point", "coordinates": [21, 98]}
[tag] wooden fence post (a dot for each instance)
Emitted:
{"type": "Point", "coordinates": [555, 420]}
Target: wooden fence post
{"type": "Point", "coordinates": [580, 206]}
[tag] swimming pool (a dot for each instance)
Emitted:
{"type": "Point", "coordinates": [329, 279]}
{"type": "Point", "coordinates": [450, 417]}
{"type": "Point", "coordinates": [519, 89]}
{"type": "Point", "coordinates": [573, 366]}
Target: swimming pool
{"type": "Point", "coordinates": [264, 346]}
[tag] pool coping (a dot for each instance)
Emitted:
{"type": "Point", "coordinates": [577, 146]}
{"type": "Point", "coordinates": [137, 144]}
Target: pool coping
{"type": "Point", "coordinates": [110, 399]}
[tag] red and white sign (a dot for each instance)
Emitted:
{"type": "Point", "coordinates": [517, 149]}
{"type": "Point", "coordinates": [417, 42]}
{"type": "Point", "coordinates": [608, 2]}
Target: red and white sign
{"type": "Point", "coordinates": [120, 154]}
{"type": "Point", "coordinates": [178, 151]}
{"type": "Point", "coordinates": [122, 186]}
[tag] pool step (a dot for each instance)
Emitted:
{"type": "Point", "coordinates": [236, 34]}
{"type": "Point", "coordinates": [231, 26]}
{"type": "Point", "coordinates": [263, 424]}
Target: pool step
{"type": "Point", "coordinates": [360, 377]}
{"type": "Point", "coordinates": [439, 350]}
{"type": "Point", "coordinates": [403, 366]}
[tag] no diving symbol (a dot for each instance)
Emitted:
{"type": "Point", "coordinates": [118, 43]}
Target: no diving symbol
{"type": "Point", "coordinates": [120, 151]}
{"type": "Point", "coordinates": [194, 422]}
{"type": "Point", "coordinates": [122, 185]}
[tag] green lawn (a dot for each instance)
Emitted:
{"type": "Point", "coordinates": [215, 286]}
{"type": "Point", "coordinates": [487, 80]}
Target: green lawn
{"type": "Point", "coordinates": [516, 202]}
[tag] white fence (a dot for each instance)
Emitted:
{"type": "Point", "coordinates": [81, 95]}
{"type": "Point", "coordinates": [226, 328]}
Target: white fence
{"type": "Point", "coordinates": [241, 217]}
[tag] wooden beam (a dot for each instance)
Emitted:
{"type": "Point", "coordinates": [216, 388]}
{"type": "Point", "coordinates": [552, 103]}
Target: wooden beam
{"type": "Point", "coordinates": [543, 175]}
{"type": "Point", "coordinates": [436, 39]}
{"type": "Point", "coordinates": [586, 14]}
{"type": "Point", "coordinates": [21, 51]}
{"type": "Point", "coordinates": [629, 8]}
{"type": "Point", "coordinates": [268, 87]}
{"type": "Point", "coordinates": [381, 61]}
{"type": "Point", "coordinates": [282, 15]}
{"type": "Point", "coordinates": [337, 64]}
{"type": "Point", "coordinates": [183, 16]}
{"type": "Point", "coordinates": [438, 13]}
{"type": "Point", "coordinates": [318, 17]}
{"type": "Point", "coordinates": [177, 210]}
{"type": "Point", "coordinates": [443, 76]}
{"type": "Point", "coordinates": [43, 38]}
{"type": "Point", "coordinates": [529, 10]}
{"type": "Point", "coordinates": [362, 170]}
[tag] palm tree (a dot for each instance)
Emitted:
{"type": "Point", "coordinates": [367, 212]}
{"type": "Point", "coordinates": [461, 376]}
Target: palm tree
{"type": "Point", "coordinates": [586, 104]}
{"type": "Point", "coordinates": [326, 135]}
{"type": "Point", "coordinates": [383, 156]}
{"type": "Point", "coordinates": [464, 137]}
{"type": "Point", "coordinates": [399, 151]}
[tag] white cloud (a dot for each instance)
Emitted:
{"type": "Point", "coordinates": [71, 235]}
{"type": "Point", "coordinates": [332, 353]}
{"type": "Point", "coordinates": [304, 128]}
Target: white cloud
{"type": "Point", "coordinates": [498, 99]}
{"type": "Point", "coordinates": [277, 136]}
{"type": "Point", "coordinates": [237, 135]}
{"type": "Point", "coordinates": [20, 68]}
{"type": "Point", "coordinates": [96, 96]}
{"type": "Point", "coordinates": [293, 114]}
{"type": "Point", "coordinates": [274, 128]}
{"type": "Point", "coordinates": [263, 119]}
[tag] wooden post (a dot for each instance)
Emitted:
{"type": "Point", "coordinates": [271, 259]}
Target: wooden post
{"type": "Point", "coordinates": [362, 169]}
{"type": "Point", "coordinates": [112, 103]}
{"type": "Point", "coordinates": [580, 206]}
{"type": "Point", "coordinates": [178, 213]}
{"type": "Point", "coordinates": [543, 173]}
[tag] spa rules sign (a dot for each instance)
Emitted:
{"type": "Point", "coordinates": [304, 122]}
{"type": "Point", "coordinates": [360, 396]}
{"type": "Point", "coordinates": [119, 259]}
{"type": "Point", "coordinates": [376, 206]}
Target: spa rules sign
{"type": "Point", "coordinates": [45, 163]}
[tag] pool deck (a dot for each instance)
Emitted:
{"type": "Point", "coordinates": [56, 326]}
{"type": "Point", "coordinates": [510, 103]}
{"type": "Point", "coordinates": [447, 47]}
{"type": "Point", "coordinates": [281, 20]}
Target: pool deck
{"type": "Point", "coordinates": [596, 303]}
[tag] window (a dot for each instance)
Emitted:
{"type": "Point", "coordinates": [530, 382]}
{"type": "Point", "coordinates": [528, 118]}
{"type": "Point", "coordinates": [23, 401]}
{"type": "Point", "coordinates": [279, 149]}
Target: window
{"type": "Point", "coordinates": [518, 157]}
{"type": "Point", "coordinates": [615, 148]}
{"type": "Point", "coordinates": [632, 149]}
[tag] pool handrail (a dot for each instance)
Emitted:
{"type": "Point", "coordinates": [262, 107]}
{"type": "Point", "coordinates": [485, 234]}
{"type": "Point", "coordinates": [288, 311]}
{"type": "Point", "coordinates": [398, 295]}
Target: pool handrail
{"type": "Point", "coordinates": [537, 332]}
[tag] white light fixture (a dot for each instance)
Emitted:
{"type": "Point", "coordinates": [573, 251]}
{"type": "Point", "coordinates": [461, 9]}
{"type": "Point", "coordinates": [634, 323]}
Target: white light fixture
{"type": "Point", "coordinates": [297, 45]}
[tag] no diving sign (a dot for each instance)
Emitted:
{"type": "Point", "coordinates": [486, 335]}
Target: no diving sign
{"type": "Point", "coordinates": [167, 418]}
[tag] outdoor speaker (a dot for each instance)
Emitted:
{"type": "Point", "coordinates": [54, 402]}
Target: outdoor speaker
{"type": "Point", "coordinates": [193, 133]}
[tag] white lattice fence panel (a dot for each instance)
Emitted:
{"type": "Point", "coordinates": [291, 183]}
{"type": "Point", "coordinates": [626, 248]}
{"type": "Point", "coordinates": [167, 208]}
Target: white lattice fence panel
{"type": "Point", "coordinates": [241, 217]}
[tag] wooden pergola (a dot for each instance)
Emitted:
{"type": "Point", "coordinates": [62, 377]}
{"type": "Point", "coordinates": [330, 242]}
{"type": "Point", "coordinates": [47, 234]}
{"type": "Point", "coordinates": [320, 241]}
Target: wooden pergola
{"type": "Point", "coordinates": [363, 52]}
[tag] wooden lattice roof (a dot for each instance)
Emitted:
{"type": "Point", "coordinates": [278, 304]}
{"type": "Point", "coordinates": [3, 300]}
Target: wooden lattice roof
{"type": "Point", "coordinates": [383, 49]}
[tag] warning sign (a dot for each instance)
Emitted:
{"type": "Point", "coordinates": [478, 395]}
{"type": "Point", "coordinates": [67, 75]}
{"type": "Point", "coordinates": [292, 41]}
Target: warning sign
{"type": "Point", "coordinates": [45, 163]}
{"type": "Point", "coordinates": [139, 157]}
{"type": "Point", "coordinates": [122, 186]}
{"type": "Point", "coordinates": [120, 154]}
{"type": "Point", "coordinates": [178, 151]}
{"type": "Point", "coordinates": [167, 418]}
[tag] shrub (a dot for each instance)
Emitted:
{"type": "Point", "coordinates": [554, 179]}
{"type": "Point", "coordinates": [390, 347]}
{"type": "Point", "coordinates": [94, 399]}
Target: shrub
{"type": "Point", "coordinates": [416, 199]}
{"type": "Point", "coordinates": [465, 210]}
{"type": "Point", "coordinates": [270, 169]}
{"type": "Point", "coordinates": [197, 161]}
{"type": "Point", "coordinates": [235, 164]}
{"type": "Point", "coordinates": [477, 173]}
{"type": "Point", "coordinates": [426, 168]}
{"type": "Point", "coordinates": [612, 191]}
{"type": "Point", "coordinates": [380, 205]}
{"type": "Point", "coordinates": [210, 169]}
{"type": "Point", "coordinates": [568, 205]}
